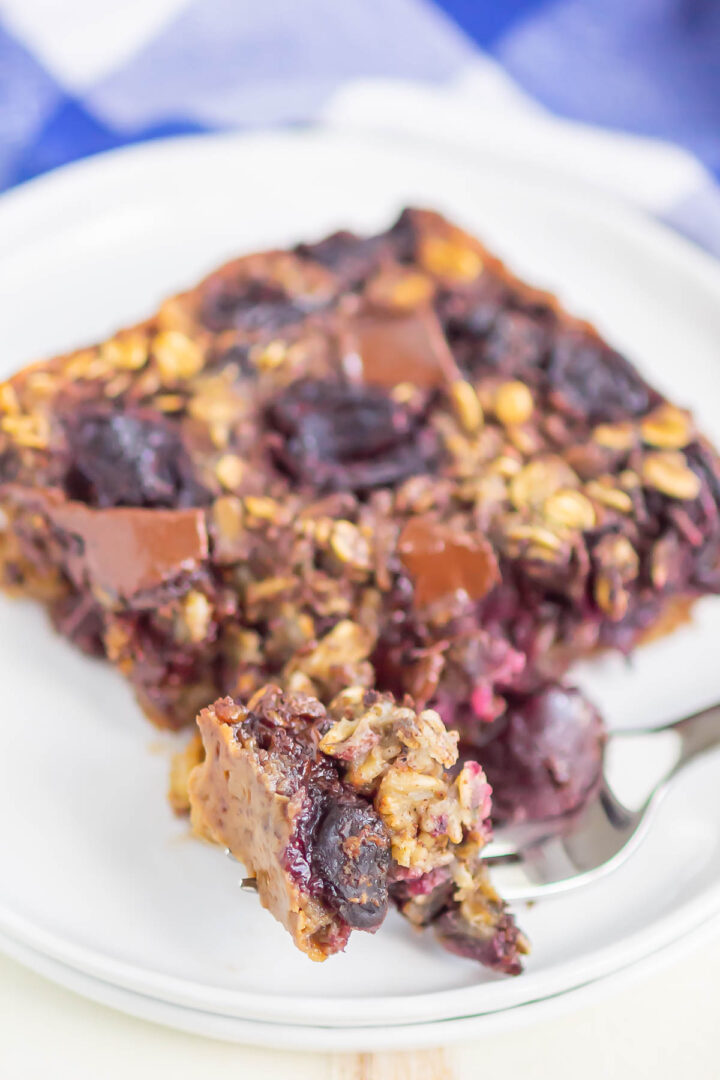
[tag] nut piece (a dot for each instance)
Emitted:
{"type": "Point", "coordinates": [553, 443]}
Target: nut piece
{"type": "Point", "coordinates": [8, 399]}
{"type": "Point", "coordinates": [604, 492]}
{"type": "Point", "coordinates": [449, 258]}
{"type": "Point", "coordinates": [399, 288]}
{"type": "Point", "coordinates": [665, 560]}
{"type": "Point", "coordinates": [668, 472]}
{"type": "Point", "coordinates": [467, 406]}
{"type": "Point", "coordinates": [349, 545]}
{"type": "Point", "coordinates": [618, 564]}
{"type": "Point", "coordinates": [401, 758]}
{"type": "Point", "coordinates": [196, 615]}
{"type": "Point", "coordinates": [167, 403]}
{"type": "Point", "coordinates": [622, 436]}
{"type": "Point", "coordinates": [532, 540]}
{"type": "Point", "coordinates": [227, 515]}
{"type": "Point", "coordinates": [270, 356]}
{"type": "Point", "coordinates": [87, 364]}
{"type": "Point", "coordinates": [526, 439]}
{"type": "Point", "coordinates": [129, 353]}
{"type": "Point", "coordinates": [262, 507]}
{"type": "Point", "coordinates": [667, 427]}
{"type": "Point", "coordinates": [176, 355]}
{"type": "Point", "coordinates": [629, 480]}
{"type": "Point", "coordinates": [513, 403]}
{"type": "Point", "coordinates": [31, 431]}
{"type": "Point", "coordinates": [571, 509]}
{"type": "Point", "coordinates": [230, 470]}
{"type": "Point", "coordinates": [347, 643]}
{"type": "Point", "coordinates": [505, 466]}
{"type": "Point", "coordinates": [540, 479]}
{"type": "Point", "coordinates": [617, 552]}
{"type": "Point", "coordinates": [403, 392]}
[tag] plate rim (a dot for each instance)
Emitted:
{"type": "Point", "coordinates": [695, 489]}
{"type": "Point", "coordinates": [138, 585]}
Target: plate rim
{"type": "Point", "coordinates": [554, 184]}
{"type": "Point", "coordinates": [423, 1007]}
{"type": "Point", "coordinates": [376, 1037]}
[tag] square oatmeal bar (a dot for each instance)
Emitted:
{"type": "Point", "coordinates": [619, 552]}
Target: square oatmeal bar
{"type": "Point", "coordinates": [370, 461]}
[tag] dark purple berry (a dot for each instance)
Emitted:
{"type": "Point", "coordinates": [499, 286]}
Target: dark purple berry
{"type": "Point", "coordinates": [589, 379]}
{"type": "Point", "coordinates": [469, 317]}
{"type": "Point", "coordinates": [251, 306]}
{"type": "Point", "coordinates": [353, 258]}
{"type": "Point", "coordinates": [544, 755]}
{"type": "Point", "coordinates": [706, 572]}
{"type": "Point", "coordinates": [77, 616]}
{"type": "Point", "coordinates": [126, 459]}
{"type": "Point", "coordinates": [516, 342]}
{"type": "Point", "coordinates": [703, 460]}
{"type": "Point", "coordinates": [495, 946]}
{"type": "Point", "coordinates": [9, 466]}
{"type": "Point", "coordinates": [239, 355]}
{"type": "Point", "coordinates": [488, 335]}
{"type": "Point", "coordinates": [351, 853]}
{"type": "Point", "coordinates": [338, 437]}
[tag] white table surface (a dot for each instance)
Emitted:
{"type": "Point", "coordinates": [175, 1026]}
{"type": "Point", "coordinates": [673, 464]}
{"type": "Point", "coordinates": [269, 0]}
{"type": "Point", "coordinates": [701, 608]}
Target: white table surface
{"type": "Point", "coordinates": [665, 1025]}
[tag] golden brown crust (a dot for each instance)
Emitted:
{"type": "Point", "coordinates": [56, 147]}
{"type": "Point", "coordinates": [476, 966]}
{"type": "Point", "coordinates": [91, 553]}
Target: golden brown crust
{"type": "Point", "coordinates": [236, 804]}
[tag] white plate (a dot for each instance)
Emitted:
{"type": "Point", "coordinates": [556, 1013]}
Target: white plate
{"type": "Point", "coordinates": [373, 1038]}
{"type": "Point", "coordinates": [97, 875]}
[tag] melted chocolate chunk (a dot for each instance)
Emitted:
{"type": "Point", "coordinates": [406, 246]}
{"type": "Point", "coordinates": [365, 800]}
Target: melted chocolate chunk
{"type": "Point", "coordinates": [128, 459]}
{"type": "Point", "coordinates": [398, 348]}
{"type": "Point", "coordinates": [129, 553]}
{"type": "Point", "coordinates": [589, 379]}
{"type": "Point", "coordinates": [443, 561]}
{"type": "Point", "coordinates": [339, 437]}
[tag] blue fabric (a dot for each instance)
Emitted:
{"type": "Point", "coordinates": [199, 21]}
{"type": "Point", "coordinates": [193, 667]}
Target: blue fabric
{"type": "Point", "coordinates": [27, 96]}
{"type": "Point", "coordinates": [240, 62]}
{"type": "Point", "coordinates": [489, 22]}
{"type": "Point", "coordinates": [646, 67]}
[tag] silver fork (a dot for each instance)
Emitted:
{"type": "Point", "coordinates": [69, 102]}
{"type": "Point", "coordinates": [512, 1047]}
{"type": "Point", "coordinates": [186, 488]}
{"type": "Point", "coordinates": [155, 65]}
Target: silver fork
{"type": "Point", "coordinates": [538, 859]}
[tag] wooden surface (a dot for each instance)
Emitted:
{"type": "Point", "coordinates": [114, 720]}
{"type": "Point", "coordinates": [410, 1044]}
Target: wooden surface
{"type": "Point", "coordinates": [664, 1027]}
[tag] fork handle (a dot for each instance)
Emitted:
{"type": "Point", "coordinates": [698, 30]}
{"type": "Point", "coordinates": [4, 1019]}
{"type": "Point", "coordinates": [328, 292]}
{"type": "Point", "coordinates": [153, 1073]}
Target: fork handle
{"type": "Point", "coordinates": [698, 733]}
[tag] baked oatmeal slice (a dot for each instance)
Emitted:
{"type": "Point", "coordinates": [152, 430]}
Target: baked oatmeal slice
{"type": "Point", "coordinates": [319, 853]}
{"type": "Point", "coordinates": [337, 812]}
{"type": "Point", "coordinates": [370, 460]}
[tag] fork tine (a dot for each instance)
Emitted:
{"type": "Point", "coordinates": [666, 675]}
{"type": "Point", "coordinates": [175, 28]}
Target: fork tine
{"type": "Point", "coordinates": [536, 860]}
{"type": "Point", "coordinates": [577, 851]}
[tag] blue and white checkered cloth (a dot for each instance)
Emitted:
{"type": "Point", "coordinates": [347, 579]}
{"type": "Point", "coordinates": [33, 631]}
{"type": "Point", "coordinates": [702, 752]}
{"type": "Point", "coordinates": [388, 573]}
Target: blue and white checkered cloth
{"type": "Point", "coordinates": [622, 94]}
